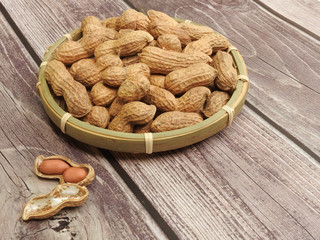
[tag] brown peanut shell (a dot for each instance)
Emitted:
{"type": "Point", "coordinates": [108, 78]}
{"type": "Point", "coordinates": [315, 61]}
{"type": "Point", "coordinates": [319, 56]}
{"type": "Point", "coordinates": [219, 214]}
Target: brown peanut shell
{"type": "Point", "coordinates": [227, 74]}
{"type": "Point", "coordinates": [86, 181]}
{"type": "Point", "coordinates": [134, 88]}
{"type": "Point", "coordinates": [163, 99]}
{"type": "Point", "coordinates": [175, 120]}
{"type": "Point", "coordinates": [169, 42]}
{"type": "Point", "coordinates": [215, 102]}
{"type": "Point", "coordinates": [181, 80]}
{"type": "Point", "coordinates": [103, 95]}
{"type": "Point", "coordinates": [98, 116]}
{"type": "Point", "coordinates": [193, 100]}
{"type": "Point", "coordinates": [163, 61]}
{"type": "Point", "coordinates": [63, 195]}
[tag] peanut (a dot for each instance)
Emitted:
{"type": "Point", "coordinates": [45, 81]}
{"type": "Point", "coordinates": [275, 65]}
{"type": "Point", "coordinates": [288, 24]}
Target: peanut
{"type": "Point", "coordinates": [169, 42]}
{"type": "Point", "coordinates": [89, 72]}
{"type": "Point", "coordinates": [74, 93]}
{"type": "Point", "coordinates": [158, 28]}
{"type": "Point", "coordinates": [175, 120]}
{"type": "Point", "coordinates": [114, 76]}
{"type": "Point", "coordinates": [193, 100]}
{"type": "Point", "coordinates": [195, 32]}
{"type": "Point", "coordinates": [153, 43]}
{"type": "Point", "coordinates": [74, 174]}
{"type": "Point", "coordinates": [199, 74]}
{"type": "Point", "coordinates": [134, 88]}
{"type": "Point", "coordinates": [163, 99]}
{"type": "Point", "coordinates": [164, 62]}
{"type": "Point", "coordinates": [131, 19]}
{"type": "Point", "coordinates": [130, 60]}
{"type": "Point", "coordinates": [83, 63]}
{"type": "Point", "coordinates": [103, 95]}
{"type": "Point", "coordinates": [129, 44]}
{"type": "Point", "coordinates": [98, 116]}
{"type": "Point", "coordinates": [116, 106]}
{"type": "Point", "coordinates": [53, 167]}
{"type": "Point", "coordinates": [138, 68]}
{"type": "Point", "coordinates": [157, 80]}
{"type": "Point", "coordinates": [215, 102]}
{"type": "Point", "coordinates": [131, 114]}
{"type": "Point", "coordinates": [71, 51]}
{"type": "Point", "coordinates": [160, 16]}
{"type": "Point", "coordinates": [207, 44]}
{"type": "Point", "coordinates": [227, 74]}
{"type": "Point", "coordinates": [143, 128]}
{"type": "Point", "coordinates": [122, 32]}
{"type": "Point", "coordinates": [110, 22]}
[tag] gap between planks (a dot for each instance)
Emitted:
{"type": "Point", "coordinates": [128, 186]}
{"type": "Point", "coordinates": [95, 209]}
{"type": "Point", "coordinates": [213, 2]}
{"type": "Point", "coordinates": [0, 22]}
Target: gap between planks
{"type": "Point", "coordinates": [277, 14]}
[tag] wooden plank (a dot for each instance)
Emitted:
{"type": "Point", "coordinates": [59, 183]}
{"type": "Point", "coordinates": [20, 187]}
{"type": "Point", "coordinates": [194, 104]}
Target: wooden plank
{"type": "Point", "coordinates": [111, 211]}
{"type": "Point", "coordinates": [249, 181]}
{"type": "Point", "coordinates": [47, 22]}
{"type": "Point", "coordinates": [302, 14]}
{"type": "Point", "coordinates": [246, 182]}
{"type": "Point", "coordinates": [283, 62]}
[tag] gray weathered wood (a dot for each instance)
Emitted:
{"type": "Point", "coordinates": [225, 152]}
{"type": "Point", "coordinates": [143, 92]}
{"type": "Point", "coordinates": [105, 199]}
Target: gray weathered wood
{"type": "Point", "coordinates": [111, 211]}
{"type": "Point", "coordinates": [248, 181]}
{"type": "Point", "coordinates": [302, 14]}
{"type": "Point", "coordinates": [245, 182]}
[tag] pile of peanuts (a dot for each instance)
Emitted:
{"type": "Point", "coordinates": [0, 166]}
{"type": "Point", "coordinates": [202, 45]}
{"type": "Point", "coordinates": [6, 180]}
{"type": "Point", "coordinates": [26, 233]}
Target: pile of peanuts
{"type": "Point", "coordinates": [143, 73]}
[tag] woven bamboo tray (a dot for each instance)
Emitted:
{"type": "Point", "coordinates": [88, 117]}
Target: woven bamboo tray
{"type": "Point", "coordinates": [142, 143]}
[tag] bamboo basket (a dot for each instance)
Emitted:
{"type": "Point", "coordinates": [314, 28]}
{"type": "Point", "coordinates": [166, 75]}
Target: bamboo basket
{"type": "Point", "coordinates": [135, 142]}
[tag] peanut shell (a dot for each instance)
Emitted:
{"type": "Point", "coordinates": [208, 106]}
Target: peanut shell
{"type": "Point", "coordinates": [215, 102]}
{"type": "Point", "coordinates": [103, 95]}
{"type": "Point", "coordinates": [116, 106]}
{"type": "Point", "coordinates": [89, 178]}
{"type": "Point", "coordinates": [134, 88]}
{"type": "Point", "coordinates": [157, 80]}
{"type": "Point", "coordinates": [227, 74]}
{"type": "Point", "coordinates": [158, 28]}
{"type": "Point", "coordinates": [169, 42]}
{"type": "Point", "coordinates": [74, 93]}
{"type": "Point", "coordinates": [163, 99]}
{"type": "Point", "coordinates": [63, 195]}
{"type": "Point", "coordinates": [163, 61]}
{"type": "Point", "coordinates": [199, 74]}
{"type": "Point", "coordinates": [175, 120]}
{"type": "Point", "coordinates": [98, 116]}
{"type": "Point", "coordinates": [130, 44]}
{"type": "Point", "coordinates": [193, 100]}
{"type": "Point", "coordinates": [195, 32]}
{"type": "Point", "coordinates": [131, 114]}
{"type": "Point", "coordinates": [207, 44]}
{"type": "Point", "coordinates": [114, 76]}
{"type": "Point", "coordinates": [160, 16]}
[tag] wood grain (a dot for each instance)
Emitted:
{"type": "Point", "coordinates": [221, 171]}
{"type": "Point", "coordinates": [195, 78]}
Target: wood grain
{"type": "Point", "coordinates": [249, 181]}
{"type": "Point", "coordinates": [54, 20]}
{"type": "Point", "coordinates": [298, 13]}
{"type": "Point", "coordinates": [111, 211]}
{"type": "Point", "coordinates": [283, 62]}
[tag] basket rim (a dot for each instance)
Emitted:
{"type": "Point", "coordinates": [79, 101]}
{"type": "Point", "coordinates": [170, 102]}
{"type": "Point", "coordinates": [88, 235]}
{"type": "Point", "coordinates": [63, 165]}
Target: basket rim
{"type": "Point", "coordinates": [236, 101]}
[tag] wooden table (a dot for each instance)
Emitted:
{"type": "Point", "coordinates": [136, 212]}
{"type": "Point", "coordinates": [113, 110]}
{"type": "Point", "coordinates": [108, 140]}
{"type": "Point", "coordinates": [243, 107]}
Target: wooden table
{"type": "Point", "coordinates": [257, 179]}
